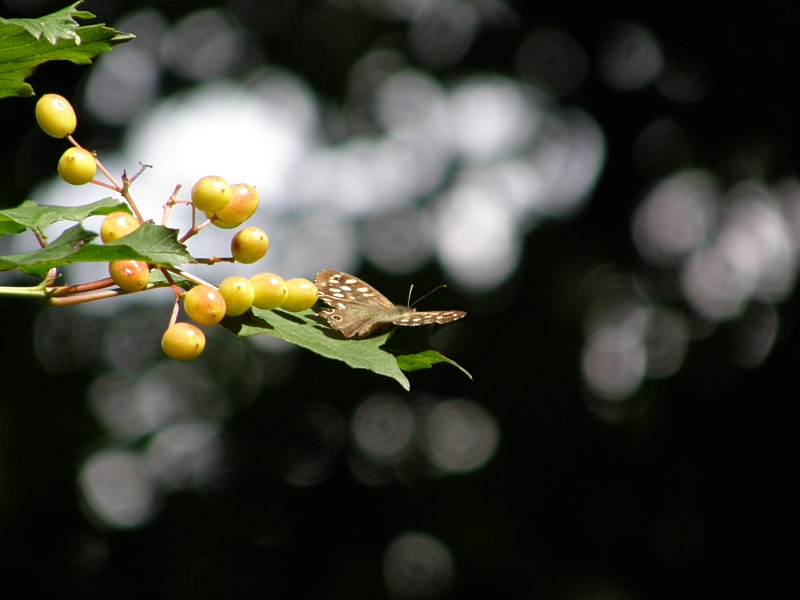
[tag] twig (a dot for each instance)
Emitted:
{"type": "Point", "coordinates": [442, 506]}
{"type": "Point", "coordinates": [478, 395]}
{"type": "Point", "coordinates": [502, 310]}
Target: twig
{"type": "Point", "coordinates": [68, 290]}
{"type": "Point", "coordinates": [189, 277]}
{"type": "Point", "coordinates": [124, 191]}
{"type": "Point", "coordinates": [214, 259]}
{"type": "Point", "coordinates": [94, 296]}
{"type": "Point", "coordinates": [143, 168]}
{"type": "Point", "coordinates": [171, 201]}
{"type": "Point", "coordinates": [175, 288]}
{"type": "Point", "coordinates": [174, 317]}
{"type": "Point", "coordinates": [194, 231]}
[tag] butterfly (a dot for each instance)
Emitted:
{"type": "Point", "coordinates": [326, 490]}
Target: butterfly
{"type": "Point", "coordinates": [358, 309]}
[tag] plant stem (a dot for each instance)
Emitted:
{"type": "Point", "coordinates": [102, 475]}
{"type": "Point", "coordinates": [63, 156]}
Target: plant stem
{"type": "Point", "coordinates": [174, 317]}
{"type": "Point", "coordinates": [125, 192]}
{"type": "Point", "coordinates": [142, 168]}
{"type": "Point", "coordinates": [189, 277]}
{"type": "Point", "coordinates": [68, 290]}
{"type": "Point", "coordinates": [214, 260]}
{"type": "Point", "coordinates": [93, 296]}
{"type": "Point", "coordinates": [99, 164]}
{"type": "Point", "coordinates": [171, 201]}
{"type": "Point", "coordinates": [194, 231]}
{"type": "Point", "coordinates": [23, 292]}
{"type": "Point", "coordinates": [175, 288]}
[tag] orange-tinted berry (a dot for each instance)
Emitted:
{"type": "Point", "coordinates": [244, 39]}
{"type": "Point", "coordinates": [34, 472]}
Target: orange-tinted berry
{"type": "Point", "coordinates": [244, 202]}
{"type": "Point", "coordinates": [249, 245]}
{"type": "Point", "coordinates": [129, 275]}
{"type": "Point", "coordinates": [204, 305]}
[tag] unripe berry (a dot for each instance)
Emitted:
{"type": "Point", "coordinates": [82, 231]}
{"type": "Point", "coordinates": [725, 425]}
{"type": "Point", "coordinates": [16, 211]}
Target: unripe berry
{"type": "Point", "coordinates": [77, 166]}
{"type": "Point", "coordinates": [249, 245]}
{"type": "Point", "coordinates": [129, 275]}
{"type": "Point", "coordinates": [238, 293]}
{"type": "Point", "coordinates": [55, 115]}
{"type": "Point", "coordinates": [269, 290]}
{"type": "Point", "coordinates": [204, 305]}
{"type": "Point", "coordinates": [244, 202]}
{"type": "Point", "coordinates": [211, 193]}
{"type": "Point", "coordinates": [117, 225]}
{"type": "Point", "coordinates": [183, 341]}
{"type": "Point", "coordinates": [302, 295]}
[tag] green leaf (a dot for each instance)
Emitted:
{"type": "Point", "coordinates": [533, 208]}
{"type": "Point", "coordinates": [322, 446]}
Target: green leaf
{"type": "Point", "coordinates": [404, 349]}
{"type": "Point", "coordinates": [27, 43]}
{"type": "Point", "coordinates": [308, 330]}
{"type": "Point", "coordinates": [412, 348]}
{"type": "Point", "coordinates": [38, 262]}
{"type": "Point", "coordinates": [30, 215]}
{"type": "Point", "coordinates": [149, 243]}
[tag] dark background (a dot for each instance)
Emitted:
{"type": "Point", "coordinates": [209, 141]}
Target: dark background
{"type": "Point", "coordinates": [692, 495]}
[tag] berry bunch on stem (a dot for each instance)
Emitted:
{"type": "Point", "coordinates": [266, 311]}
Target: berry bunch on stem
{"type": "Point", "coordinates": [224, 205]}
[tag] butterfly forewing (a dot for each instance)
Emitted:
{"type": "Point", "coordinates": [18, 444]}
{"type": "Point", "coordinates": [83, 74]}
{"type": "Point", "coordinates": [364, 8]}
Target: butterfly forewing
{"type": "Point", "coordinates": [340, 290]}
{"type": "Point", "coordinates": [358, 309]}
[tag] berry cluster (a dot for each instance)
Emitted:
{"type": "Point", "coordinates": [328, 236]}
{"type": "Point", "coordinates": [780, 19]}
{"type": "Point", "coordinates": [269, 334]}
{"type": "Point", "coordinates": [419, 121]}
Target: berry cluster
{"type": "Point", "coordinates": [225, 206]}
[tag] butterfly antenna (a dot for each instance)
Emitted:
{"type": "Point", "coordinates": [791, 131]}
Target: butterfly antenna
{"type": "Point", "coordinates": [425, 296]}
{"type": "Point", "coordinates": [408, 302]}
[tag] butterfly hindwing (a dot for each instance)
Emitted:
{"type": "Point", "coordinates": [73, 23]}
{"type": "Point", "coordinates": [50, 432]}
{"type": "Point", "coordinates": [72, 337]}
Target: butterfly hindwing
{"type": "Point", "coordinates": [430, 317]}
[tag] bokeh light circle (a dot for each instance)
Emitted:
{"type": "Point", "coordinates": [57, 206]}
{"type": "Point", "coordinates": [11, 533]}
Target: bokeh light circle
{"type": "Point", "coordinates": [460, 436]}
{"type": "Point", "coordinates": [118, 488]}
{"type": "Point", "coordinates": [417, 566]}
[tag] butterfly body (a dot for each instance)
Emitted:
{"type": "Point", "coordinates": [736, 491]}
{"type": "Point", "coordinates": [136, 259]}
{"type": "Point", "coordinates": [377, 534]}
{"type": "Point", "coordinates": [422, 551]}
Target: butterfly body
{"type": "Point", "coordinates": [358, 309]}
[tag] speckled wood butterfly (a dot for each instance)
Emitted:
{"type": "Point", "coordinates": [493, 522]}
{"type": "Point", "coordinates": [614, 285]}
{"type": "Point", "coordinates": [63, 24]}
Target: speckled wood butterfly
{"type": "Point", "coordinates": [358, 309]}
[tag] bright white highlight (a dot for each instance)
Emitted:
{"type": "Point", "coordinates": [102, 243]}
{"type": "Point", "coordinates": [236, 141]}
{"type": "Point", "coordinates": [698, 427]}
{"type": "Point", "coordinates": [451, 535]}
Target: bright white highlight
{"type": "Point", "coordinates": [491, 119]}
{"type": "Point", "coordinates": [676, 217]}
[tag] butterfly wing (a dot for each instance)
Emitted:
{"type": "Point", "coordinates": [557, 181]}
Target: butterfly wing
{"type": "Point", "coordinates": [357, 309]}
{"type": "Point", "coordinates": [429, 317]}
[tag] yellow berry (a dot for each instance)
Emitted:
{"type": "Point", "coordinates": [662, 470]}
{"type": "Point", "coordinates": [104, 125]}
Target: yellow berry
{"type": "Point", "coordinates": [117, 225]}
{"type": "Point", "coordinates": [204, 305]}
{"type": "Point", "coordinates": [55, 115]}
{"type": "Point", "coordinates": [211, 193]}
{"type": "Point", "coordinates": [183, 341]}
{"type": "Point", "coordinates": [270, 290]}
{"type": "Point", "coordinates": [77, 166]}
{"type": "Point", "coordinates": [302, 295]}
{"type": "Point", "coordinates": [249, 245]}
{"type": "Point", "coordinates": [238, 293]}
